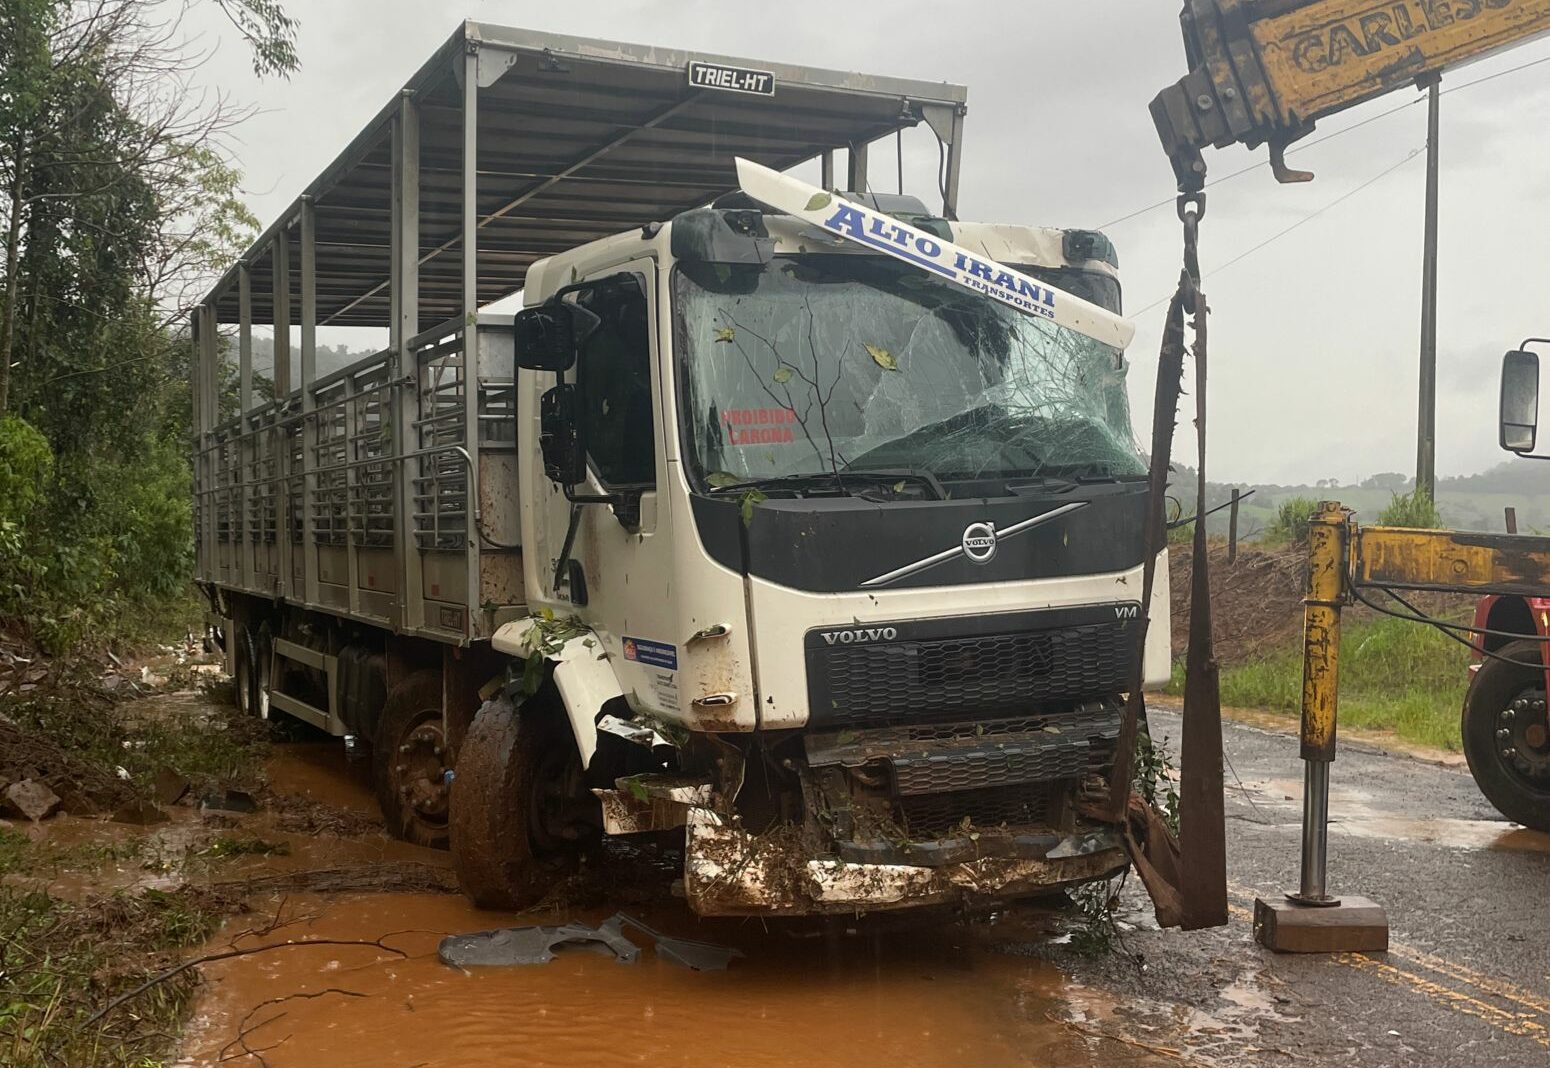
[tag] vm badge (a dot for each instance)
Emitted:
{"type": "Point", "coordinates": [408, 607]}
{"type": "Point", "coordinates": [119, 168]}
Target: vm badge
{"type": "Point", "coordinates": [979, 542]}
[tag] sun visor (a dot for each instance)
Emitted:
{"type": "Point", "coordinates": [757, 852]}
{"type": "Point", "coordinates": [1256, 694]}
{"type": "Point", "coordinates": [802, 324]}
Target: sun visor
{"type": "Point", "coordinates": [931, 253]}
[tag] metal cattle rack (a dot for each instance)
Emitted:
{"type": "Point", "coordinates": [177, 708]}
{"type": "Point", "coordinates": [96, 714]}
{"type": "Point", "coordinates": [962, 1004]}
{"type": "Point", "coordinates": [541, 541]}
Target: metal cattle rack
{"type": "Point", "coordinates": [386, 491]}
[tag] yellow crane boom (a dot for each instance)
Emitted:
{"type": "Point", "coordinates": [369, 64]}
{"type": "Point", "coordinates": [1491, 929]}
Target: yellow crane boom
{"type": "Point", "coordinates": [1267, 70]}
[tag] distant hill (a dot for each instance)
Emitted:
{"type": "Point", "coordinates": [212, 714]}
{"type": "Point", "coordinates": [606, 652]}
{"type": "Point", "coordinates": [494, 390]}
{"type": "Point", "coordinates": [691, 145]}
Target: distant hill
{"type": "Point", "coordinates": [1467, 502]}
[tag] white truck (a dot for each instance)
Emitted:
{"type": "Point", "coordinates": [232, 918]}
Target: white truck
{"type": "Point", "coordinates": [807, 521]}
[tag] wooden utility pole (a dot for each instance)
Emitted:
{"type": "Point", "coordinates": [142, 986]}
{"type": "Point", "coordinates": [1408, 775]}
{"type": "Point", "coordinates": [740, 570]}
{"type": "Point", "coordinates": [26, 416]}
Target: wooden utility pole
{"type": "Point", "coordinates": [1426, 422]}
{"type": "Point", "coordinates": [1232, 527]}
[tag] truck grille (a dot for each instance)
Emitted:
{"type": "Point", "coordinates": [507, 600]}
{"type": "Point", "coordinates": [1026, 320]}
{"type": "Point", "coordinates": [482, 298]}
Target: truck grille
{"type": "Point", "coordinates": [1015, 806]}
{"type": "Point", "coordinates": [992, 666]}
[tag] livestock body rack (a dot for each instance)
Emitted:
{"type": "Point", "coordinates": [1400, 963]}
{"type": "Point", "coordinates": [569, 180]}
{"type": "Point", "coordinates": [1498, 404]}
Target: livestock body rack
{"type": "Point", "coordinates": [386, 492]}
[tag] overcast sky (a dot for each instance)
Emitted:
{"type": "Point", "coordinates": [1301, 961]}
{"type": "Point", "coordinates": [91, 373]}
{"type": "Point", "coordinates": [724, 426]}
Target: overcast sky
{"type": "Point", "coordinates": [1314, 337]}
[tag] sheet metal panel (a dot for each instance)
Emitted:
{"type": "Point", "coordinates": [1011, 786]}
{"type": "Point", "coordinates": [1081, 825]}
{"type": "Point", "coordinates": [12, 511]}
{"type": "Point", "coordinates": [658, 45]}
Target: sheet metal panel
{"type": "Point", "coordinates": [577, 139]}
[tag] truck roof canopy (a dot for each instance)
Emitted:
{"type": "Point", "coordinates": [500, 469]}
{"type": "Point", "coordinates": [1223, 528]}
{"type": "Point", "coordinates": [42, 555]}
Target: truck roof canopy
{"type": "Point", "coordinates": [575, 139]}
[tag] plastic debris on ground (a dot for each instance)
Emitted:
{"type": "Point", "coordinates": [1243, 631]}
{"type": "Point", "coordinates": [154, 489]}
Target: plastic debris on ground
{"type": "Point", "coordinates": [507, 946]}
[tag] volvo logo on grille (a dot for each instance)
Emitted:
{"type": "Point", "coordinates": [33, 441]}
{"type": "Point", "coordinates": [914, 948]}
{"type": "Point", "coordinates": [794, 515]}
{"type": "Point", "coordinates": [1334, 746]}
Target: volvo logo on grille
{"type": "Point", "coordinates": [860, 634]}
{"type": "Point", "coordinates": [979, 542]}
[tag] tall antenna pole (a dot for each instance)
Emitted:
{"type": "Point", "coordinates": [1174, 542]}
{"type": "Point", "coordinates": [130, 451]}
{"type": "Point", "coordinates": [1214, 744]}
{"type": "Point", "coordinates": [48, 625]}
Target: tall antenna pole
{"type": "Point", "coordinates": [1426, 423]}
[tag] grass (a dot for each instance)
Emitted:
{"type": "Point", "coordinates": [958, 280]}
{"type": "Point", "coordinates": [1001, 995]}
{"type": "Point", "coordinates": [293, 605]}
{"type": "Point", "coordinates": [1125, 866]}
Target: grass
{"type": "Point", "coordinates": [60, 961]}
{"type": "Point", "coordinates": [213, 747]}
{"type": "Point", "coordinates": [1395, 676]}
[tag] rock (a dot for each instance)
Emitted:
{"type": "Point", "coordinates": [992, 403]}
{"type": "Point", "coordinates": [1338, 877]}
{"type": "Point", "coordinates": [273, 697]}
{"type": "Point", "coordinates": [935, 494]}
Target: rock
{"type": "Point", "coordinates": [77, 803]}
{"type": "Point", "coordinates": [169, 786]}
{"type": "Point", "coordinates": [30, 800]}
{"type": "Point", "coordinates": [140, 813]}
{"type": "Point", "coordinates": [239, 801]}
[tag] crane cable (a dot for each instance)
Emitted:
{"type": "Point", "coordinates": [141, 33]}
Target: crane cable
{"type": "Point", "coordinates": [1347, 195]}
{"type": "Point", "coordinates": [1447, 629]}
{"type": "Point", "coordinates": [1332, 135]}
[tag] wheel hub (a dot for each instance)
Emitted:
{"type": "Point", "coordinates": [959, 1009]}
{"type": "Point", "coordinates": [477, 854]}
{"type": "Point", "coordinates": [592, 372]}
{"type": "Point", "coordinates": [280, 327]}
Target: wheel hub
{"type": "Point", "coordinates": [558, 811]}
{"type": "Point", "coordinates": [421, 770]}
{"type": "Point", "coordinates": [1523, 736]}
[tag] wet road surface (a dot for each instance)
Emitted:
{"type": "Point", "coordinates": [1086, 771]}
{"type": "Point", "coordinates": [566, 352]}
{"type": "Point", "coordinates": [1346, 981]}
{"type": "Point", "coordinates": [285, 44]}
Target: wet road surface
{"type": "Point", "coordinates": [1466, 983]}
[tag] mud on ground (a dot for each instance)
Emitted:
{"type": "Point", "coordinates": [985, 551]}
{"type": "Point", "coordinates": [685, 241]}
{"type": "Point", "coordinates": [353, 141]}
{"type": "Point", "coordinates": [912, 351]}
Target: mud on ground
{"type": "Point", "coordinates": [1256, 600]}
{"type": "Point", "coordinates": [173, 816]}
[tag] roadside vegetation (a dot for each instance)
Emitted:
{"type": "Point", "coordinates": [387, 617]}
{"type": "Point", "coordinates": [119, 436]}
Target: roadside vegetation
{"type": "Point", "coordinates": [1290, 526]}
{"type": "Point", "coordinates": [1414, 509]}
{"type": "Point", "coordinates": [62, 958]}
{"type": "Point", "coordinates": [1395, 676]}
{"type": "Point", "coordinates": [118, 203]}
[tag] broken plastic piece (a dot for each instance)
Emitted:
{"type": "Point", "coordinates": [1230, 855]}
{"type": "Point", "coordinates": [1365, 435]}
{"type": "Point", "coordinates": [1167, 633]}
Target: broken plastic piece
{"type": "Point", "coordinates": [531, 945]}
{"type": "Point", "coordinates": [697, 956]}
{"type": "Point", "coordinates": [506, 946]}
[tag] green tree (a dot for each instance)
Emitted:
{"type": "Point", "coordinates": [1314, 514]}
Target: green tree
{"type": "Point", "coordinates": [118, 208]}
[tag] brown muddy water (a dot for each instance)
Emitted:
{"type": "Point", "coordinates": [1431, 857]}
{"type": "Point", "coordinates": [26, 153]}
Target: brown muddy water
{"type": "Point", "coordinates": [925, 994]}
{"type": "Point", "coordinates": [922, 997]}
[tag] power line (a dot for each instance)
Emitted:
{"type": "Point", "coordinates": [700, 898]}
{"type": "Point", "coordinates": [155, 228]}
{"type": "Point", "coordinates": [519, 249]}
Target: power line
{"type": "Point", "coordinates": [1265, 163]}
{"type": "Point", "coordinates": [1330, 137]}
{"type": "Point", "coordinates": [1347, 195]}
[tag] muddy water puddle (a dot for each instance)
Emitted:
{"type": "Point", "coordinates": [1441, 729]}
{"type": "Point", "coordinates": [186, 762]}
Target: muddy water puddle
{"type": "Point", "coordinates": [80, 857]}
{"type": "Point", "coordinates": [915, 997]}
{"type": "Point", "coordinates": [319, 771]}
{"type": "Point", "coordinates": [1354, 812]}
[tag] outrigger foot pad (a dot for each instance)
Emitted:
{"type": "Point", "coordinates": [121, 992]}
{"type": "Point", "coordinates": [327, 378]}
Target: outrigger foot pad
{"type": "Point", "coordinates": [1343, 925]}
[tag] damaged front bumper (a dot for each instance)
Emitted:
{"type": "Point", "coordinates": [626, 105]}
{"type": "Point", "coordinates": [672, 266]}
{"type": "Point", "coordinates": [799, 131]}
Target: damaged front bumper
{"type": "Point", "coordinates": [729, 872]}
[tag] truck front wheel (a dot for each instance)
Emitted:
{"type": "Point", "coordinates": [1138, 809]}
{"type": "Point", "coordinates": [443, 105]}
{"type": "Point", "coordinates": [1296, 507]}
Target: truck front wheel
{"type": "Point", "coordinates": [1506, 738]}
{"type": "Point", "coordinates": [410, 761]}
{"type": "Point", "coordinates": [517, 805]}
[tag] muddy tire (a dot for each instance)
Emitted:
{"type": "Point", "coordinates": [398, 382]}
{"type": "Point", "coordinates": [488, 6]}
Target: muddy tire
{"type": "Point", "coordinates": [408, 761]}
{"type": "Point", "coordinates": [1506, 740]}
{"type": "Point", "coordinates": [506, 767]}
{"type": "Point", "coordinates": [244, 674]}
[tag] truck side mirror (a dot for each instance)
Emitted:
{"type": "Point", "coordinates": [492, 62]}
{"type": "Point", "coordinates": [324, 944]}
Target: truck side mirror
{"type": "Point", "coordinates": [548, 336]}
{"type": "Point", "coordinates": [1520, 401]}
{"type": "Point", "coordinates": [559, 437]}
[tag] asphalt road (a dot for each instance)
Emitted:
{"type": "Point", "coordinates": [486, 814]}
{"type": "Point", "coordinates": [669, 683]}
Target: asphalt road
{"type": "Point", "coordinates": [1466, 980]}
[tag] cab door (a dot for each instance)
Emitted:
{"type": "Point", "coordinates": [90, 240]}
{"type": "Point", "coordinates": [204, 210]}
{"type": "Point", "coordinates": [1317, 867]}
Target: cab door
{"type": "Point", "coordinates": [617, 573]}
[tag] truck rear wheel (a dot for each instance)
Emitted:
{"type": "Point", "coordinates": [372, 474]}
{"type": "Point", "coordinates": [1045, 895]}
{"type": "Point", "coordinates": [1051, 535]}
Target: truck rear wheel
{"type": "Point", "coordinates": [409, 761]}
{"type": "Point", "coordinates": [243, 674]}
{"type": "Point", "coordinates": [514, 797]}
{"type": "Point", "coordinates": [1506, 738]}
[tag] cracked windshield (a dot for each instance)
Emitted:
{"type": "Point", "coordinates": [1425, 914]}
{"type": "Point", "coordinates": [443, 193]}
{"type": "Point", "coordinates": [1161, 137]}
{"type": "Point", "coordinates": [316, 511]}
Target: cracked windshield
{"type": "Point", "coordinates": [828, 364]}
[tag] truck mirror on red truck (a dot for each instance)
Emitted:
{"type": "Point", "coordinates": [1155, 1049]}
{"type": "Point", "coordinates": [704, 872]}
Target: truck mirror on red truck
{"type": "Point", "coordinates": [1520, 401]}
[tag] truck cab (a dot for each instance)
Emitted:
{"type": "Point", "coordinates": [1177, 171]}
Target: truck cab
{"type": "Point", "coordinates": [862, 546]}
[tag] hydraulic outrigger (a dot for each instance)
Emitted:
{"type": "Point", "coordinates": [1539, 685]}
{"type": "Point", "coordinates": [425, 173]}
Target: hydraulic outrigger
{"type": "Point", "coordinates": [1345, 560]}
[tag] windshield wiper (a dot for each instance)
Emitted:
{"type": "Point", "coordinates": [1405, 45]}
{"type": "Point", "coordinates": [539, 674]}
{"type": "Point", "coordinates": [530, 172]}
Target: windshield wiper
{"type": "Point", "coordinates": [1081, 474]}
{"type": "Point", "coordinates": [840, 479]}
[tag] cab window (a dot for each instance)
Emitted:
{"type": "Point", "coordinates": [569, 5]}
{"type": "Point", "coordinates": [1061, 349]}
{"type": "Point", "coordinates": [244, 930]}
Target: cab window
{"type": "Point", "coordinates": [613, 380]}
